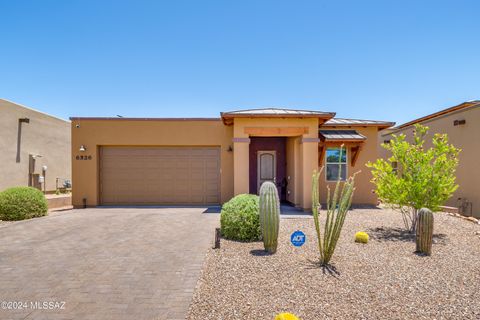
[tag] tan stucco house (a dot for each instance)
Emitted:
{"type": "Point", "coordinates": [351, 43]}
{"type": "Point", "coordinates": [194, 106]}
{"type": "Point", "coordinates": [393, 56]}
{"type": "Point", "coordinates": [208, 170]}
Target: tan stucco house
{"type": "Point", "coordinates": [461, 123]}
{"type": "Point", "coordinates": [34, 148]}
{"type": "Point", "coordinates": [203, 161]}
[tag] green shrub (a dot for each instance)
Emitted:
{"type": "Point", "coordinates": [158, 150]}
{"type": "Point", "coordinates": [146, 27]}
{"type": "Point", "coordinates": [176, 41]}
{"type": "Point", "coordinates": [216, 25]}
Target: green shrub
{"type": "Point", "coordinates": [239, 219]}
{"type": "Point", "coordinates": [419, 174]}
{"type": "Point", "coordinates": [21, 203]}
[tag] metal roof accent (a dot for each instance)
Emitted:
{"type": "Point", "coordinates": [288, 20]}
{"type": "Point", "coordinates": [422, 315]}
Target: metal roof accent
{"type": "Point", "coordinates": [341, 135]}
{"type": "Point", "coordinates": [339, 122]}
{"type": "Point", "coordinates": [353, 122]}
{"type": "Point", "coordinates": [228, 117]}
{"type": "Point", "coordinates": [278, 112]}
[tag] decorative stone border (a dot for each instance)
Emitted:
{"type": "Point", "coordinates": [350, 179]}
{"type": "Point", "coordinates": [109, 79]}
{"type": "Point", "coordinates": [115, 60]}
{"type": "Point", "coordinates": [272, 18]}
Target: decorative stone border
{"type": "Point", "coordinates": [471, 219]}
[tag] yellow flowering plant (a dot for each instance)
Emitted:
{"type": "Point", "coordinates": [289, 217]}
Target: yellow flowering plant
{"type": "Point", "coordinates": [286, 316]}
{"type": "Point", "coordinates": [361, 237]}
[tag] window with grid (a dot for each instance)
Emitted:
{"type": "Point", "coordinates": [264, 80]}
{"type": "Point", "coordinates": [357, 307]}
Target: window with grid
{"type": "Point", "coordinates": [334, 163]}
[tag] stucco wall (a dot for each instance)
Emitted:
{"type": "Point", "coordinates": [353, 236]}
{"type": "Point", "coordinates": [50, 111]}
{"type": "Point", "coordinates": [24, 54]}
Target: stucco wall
{"type": "Point", "coordinates": [44, 135]}
{"type": "Point", "coordinates": [465, 137]}
{"type": "Point", "coordinates": [293, 170]}
{"type": "Point", "coordinates": [364, 188]}
{"type": "Point", "coordinates": [95, 133]}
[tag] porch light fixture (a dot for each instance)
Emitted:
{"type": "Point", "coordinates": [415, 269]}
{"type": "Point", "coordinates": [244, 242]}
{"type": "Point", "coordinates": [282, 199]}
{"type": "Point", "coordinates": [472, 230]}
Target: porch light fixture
{"type": "Point", "coordinates": [82, 148]}
{"type": "Point", "coordinates": [230, 149]}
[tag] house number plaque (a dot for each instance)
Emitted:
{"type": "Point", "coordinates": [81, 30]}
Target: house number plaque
{"type": "Point", "coordinates": [82, 157]}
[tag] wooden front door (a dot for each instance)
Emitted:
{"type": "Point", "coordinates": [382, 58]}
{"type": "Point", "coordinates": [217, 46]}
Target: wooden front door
{"type": "Point", "coordinates": [267, 167]}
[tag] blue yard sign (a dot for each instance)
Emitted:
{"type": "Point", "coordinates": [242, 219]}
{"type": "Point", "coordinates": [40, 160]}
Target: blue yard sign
{"type": "Point", "coordinates": [298, 238]}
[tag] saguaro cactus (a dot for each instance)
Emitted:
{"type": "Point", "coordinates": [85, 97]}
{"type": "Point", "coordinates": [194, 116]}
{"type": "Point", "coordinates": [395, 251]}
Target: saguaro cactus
{"type": "Point", "coordinates": [269, 205]}
{"type": "Point", "coordinates": [424, 234]}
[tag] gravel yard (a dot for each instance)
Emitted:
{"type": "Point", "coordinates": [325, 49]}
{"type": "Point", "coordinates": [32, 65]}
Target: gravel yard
{"type": "Point", "coordinates": [383, 279]}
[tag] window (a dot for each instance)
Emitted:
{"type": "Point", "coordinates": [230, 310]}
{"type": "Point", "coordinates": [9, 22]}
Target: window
{"type": "Point", "coordinates": [334, 163]}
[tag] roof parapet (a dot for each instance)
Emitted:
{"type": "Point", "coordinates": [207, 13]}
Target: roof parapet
{"type": "Point", "coordinates": [461, 106]}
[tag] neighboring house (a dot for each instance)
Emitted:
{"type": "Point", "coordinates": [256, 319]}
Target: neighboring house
{"type": "Point", "coordinates": [461, 123]}
{"type": "Point", "coordinates": [34, 148]}
{"type": "Point", "coordinates": [200, 161]}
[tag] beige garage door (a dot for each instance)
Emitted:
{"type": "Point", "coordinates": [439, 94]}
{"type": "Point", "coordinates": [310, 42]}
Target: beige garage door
{"type": "Point", "coordinates": [159, 175]}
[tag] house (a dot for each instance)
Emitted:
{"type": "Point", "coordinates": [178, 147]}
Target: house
{"type": "Point", "coordinates": [202, 161]}
{"type": "Point", "coordinates": [34, 148]}
{"type": "Point", "coordinates": [461, 123]}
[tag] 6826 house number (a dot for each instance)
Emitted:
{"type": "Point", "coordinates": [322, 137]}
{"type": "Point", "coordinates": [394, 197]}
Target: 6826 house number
{"type": "Point", "coordinates": [82, 157]}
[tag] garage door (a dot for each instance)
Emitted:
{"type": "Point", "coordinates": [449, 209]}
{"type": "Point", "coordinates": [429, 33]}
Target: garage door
{"type": "Point", "coordinates": [159, 175]}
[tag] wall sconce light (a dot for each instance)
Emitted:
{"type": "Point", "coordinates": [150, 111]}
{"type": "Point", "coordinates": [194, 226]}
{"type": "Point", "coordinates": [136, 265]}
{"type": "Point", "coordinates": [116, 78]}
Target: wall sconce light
{"type": "Point", "coordinates": [230, 149]}
{"type": "Point", "coordinates": [82, 148]}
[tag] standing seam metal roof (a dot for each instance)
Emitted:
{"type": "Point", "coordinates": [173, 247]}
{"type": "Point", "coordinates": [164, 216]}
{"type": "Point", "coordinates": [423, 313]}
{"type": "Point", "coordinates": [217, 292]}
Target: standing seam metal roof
{"type": "Point", "coordinates": [276, 112]}
{"type": "Point", "coordinates": [340, 121]}
{"type": "Point", "coordinates": [341, 135]}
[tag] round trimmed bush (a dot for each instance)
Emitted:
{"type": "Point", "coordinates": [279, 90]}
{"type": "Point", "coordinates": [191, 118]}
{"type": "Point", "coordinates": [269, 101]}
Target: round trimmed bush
{"type": "Point", "coordinates": [21, 203]}
{"type": "Point", "coordinates": [239, 219]}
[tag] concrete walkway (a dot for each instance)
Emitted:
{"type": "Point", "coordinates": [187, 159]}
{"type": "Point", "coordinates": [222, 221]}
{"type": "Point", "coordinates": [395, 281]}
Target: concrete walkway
{"type": "Point", "coordinates": [104, 263]}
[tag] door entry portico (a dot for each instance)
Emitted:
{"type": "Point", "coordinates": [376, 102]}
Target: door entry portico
{"type": "Point", "coordinates": [267, 162]}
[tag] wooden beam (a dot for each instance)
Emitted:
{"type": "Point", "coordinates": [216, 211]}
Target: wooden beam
{"type": "Point", "coordinates": [227, 121]}
{"type": "Point", "coordinates": [321, 154]}
{"type": "Point", "coordinates": [355, 153]}
{"type": "Point", "coordinates": [276, 131]}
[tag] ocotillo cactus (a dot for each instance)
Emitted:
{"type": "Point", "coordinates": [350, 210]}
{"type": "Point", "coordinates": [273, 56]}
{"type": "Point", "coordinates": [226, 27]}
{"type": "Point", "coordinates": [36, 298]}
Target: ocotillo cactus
{"type": "Point", "coordinates": [424, 231]}
{"type": "Point", "coordinates": [269, 205]}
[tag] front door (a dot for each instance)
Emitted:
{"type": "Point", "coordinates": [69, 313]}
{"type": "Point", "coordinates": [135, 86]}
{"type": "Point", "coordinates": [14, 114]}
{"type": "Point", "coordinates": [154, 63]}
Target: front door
{"type": "Point", "coordinates": [267, 167]}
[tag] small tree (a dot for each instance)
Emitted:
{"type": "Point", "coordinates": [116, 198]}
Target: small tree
{"type": "Point", "coordinates": [415, 177]}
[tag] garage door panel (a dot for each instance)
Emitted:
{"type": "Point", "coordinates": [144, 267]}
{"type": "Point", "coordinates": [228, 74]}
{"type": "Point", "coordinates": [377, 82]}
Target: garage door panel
{"type": "Point", "coordinates": [212, 164]}
{"type": "Point", "coordinates": [211, 189]}
{"type": "Point", "coordinates": [211, 199]}
{"type": "Point", "coordinates": [160, 175]}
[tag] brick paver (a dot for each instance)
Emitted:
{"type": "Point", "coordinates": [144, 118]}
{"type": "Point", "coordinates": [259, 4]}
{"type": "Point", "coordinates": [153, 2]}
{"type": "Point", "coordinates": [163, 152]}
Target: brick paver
{"type": "Point", "coordinates": [105, 263]}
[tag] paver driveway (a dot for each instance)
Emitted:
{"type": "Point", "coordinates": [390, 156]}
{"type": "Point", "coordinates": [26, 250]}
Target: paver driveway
{"type": "Point", "coordinates": [105, 263]}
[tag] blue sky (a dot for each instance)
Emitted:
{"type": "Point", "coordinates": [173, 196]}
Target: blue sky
{"type": "Point", "coordinates": [386, 60]}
